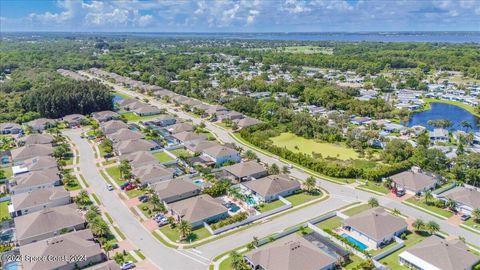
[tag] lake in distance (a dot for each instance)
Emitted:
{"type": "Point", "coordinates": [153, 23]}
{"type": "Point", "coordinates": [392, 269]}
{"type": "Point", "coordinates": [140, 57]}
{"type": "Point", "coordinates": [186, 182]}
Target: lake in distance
{"type": "Point", "coordinates": [444, 111]}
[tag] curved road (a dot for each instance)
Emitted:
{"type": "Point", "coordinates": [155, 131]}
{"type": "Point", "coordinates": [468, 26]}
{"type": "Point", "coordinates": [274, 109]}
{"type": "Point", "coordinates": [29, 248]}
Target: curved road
{"type": "Point", "coordinates": [339, 194]}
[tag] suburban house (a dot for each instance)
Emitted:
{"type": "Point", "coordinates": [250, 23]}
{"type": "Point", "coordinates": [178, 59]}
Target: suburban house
{"type": "Point", "coordinates": [152, 173]}
{"type": "Point", "coordinates": [74, 120]}
{"type": "Point", "coordinates": [35, 164]}
{"type": "Point", "coordinates": [146, 109]}
{"type": "Point", "coordinates": [466, 199]}
{"type": "Point", "coordinates": [36, 200]}
{"type": "Point", "coordinates": [48, 223]}
{"type": "Point", "coordinates": [10, 128]}
{"type": "Point", "coordinates": [41, 124]}
{"type": "Point", "coordinates": [213, 109]}
{"type": "Point", "coordinates": [36, 139]}
{"type": "Point", "coordinates": [112, 126]}
{"type": "Point", "coordinates": [187, 137]}
{"type": "Point", "coordinates": [271, 187]}
{"type": "Point", "coordinates": [414, 181]}
{"type": "Point", "coordinates": [199, 146]}
{"type": "Point", "coordinates": [198, 210]}
{"type": "Point", "coordinates": [291, 252]}
{"type": "Point", "coordinates": [221, 154]}
{"type": "Point", "coordinates": [246, 171]}
{"type": "Point", "coordinates": [105, 116]}
{"type": "Point", "coordinates": [127, 147]}
{"type": "Point", "coordinates": [34, 180]}
{"type": "Point", "coordinates": [140, 158]}
{"type": "Point", "coordinates": [30, 151]}
{"type": "Point", "coordinates": [127, 103]}
{"type": "Point", "coordinates": [68, 245]}
{"type": "Point", "coordinates": [162, 120]}
{"type": "Point", "coordinates": [438, 135]}
{"type": "Point", "coordinates": [124, 134]}
{"type": "Point", "coordinates": [176, 189]}
{"type": "Point", "coordinates": [375, 226]}
{"type": "Point", "coordinates": [180, 127]}
{"type": "Point", "coordinates": [436, 253]}
{"type": "Point", "coordinates": [246, 122]}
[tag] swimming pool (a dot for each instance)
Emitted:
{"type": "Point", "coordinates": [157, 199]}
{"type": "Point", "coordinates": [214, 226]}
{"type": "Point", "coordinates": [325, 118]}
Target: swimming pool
{"type": "Point", "coordinates": [233, 207]}
{"type": "Point", "coordinates": [252, 201]}
{"type": "Point", "coordinates": [354, 241]}
{"type": "Point", "coordinates": [199, 182]}
{"type": "Point", "coordinates": [11, 266]}
{"type": "Point", "coordinates": [6, 235]}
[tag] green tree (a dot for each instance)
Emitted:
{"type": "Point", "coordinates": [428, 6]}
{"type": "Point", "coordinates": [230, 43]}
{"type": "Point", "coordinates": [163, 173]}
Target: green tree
{"type": "Point", "coordinates": [373, 202]}
{"type": "Point", "coordinates": [432, 227]}
{"type": "Point", "coordinates": [418, 224]}
{"type": "Point", "coordinates": [273, 169]}
{"type": "Point", "coordinates": [428, 196]}
{"type": "Point", "coordinates": [310, 183]}
{"type": "Point", "coordinates": [185, 229]}
{"type": "Point", "coordinates": [476, 215]}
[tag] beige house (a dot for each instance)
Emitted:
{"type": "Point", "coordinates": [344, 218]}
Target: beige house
{"type": "Point", "coordinates": [74, 120]}
{"type": "Point", "coordinates": [112, 126]}
{"type": "Point", "coordinates": [36, 138]}
{"type": "Point", "coordinates": [124, 134]}
{"type": "Point", "coordinates": [41, 124]}
{"type": "Point", "coordinates": [180, 127]}
{"type": "Point", "coordinates": [269, 188]}
{"type": "Point", "coordinates": [30, 151]}
{"type": "Point", "coordinates": [375, 226]}
{"type": "Point", "coordinates": [140, 158]}
{"type": "Point", "coordinates": [104, 116]}
{"type": "Point", "coordinates": [435, 253]}
{"type": "Point", "coordinates": [152, 173]}
{"type": "Point", "coordinates": [128, 147]}
{"type": "Point", "coordinates": [48, 223]}
{"type": "Point", "coordinates": [80, 243]}
{"type": "Point", "coordinates": [37, 200]}
{"type": "Point", "coordinates": [291, 252]}
{"type": "Point", "coordinates": [40, 163]}
{"type": "Point", "coordinates": [198, 210]}
{"type": "Point", "coordinates": [176, 189]}
{"type": "Point", "coordinates": [246, 171]}
{"type": "Point", "coordinates": [466, 199]}
{"type": "Point", "coordinates": [414, 181]}
{"type": "Point", "coordinates": [34, 180]}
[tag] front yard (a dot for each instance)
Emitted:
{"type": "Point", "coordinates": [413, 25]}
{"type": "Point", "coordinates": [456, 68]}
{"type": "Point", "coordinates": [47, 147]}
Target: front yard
{"type": "Point", "coordinates": [420, 202]}
{"type": "Point", "coordinates": [357, 209]}
{"type": "Point", "coordinates": [303, 197]}
{"type": "Point", "coordinates": [375, 187]}
{"type": "Point", "coordinates": [115, 174]}
{"type": "Point", "coordinates": [174, 235]}
{"type": "Point", "coordinates": [391, 260]}
{"type": "Point", "coordinates": [130, 116]}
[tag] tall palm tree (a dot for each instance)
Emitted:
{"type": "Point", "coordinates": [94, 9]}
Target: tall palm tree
{"type": "Point", "coordinates": [185, 229]}
{"type": "Point", "coordinates": [432, 227]}
{"type": "Point", "coordinates": [99, 227]}
{"type": "Point", "coordinates": [310, 183]}
{"type": "Point", "coordinates": [396, 212]}
{"type": "Point", "coordinates": [418, 224]}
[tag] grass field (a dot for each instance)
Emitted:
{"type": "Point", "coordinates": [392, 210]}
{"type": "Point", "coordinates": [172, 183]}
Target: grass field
{"type": "Point", "coordinates": [391, 260]}
{"type": "Point", "coordinates": [4, 210]}
{"type": "Point", "coordinates": [375, 187]}
{"type": "Point", "coordinates": [298, 144]}
{"type": "Point", "coordinates": [330, 223]}
{"type": "Point", "coordinates": [162, 156]}
{"type": "Point", "coordinates": [302, 197]}
{"type": "Point", "coordinates": [420, 202]}
{"type": "Point", "coordinates": [174, 235]}
{"type": "Point", "coordinates": [469, 108]}
{"type": "Point", "coordinates": [269, 206]}
{"type": "Point", "coordinates": [130, 116]}
{"type": "Point", "coordinates": [356, 210]}
{"type": "Point", "coordinates": [308, 49]}
{"type": "Point", "coordinates": [74, 185]}
{"type": "Point", "coordinates": [114, 172]}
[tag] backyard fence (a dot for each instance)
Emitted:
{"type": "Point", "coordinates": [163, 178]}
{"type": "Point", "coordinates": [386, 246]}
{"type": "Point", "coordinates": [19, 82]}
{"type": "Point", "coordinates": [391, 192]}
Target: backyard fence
{"type": "Point", "coordinates": [250, 219]}
{"type": "Point", "coordinates": [400, 244]}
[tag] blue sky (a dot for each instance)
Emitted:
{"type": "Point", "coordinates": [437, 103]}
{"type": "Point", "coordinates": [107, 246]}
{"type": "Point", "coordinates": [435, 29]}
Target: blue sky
{"type": "Point", "coordinates": [240, 15]}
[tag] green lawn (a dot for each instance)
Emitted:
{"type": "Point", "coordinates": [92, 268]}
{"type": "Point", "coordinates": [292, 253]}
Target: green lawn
{"type": "Point", "coordinates": [4, 210]}
{"type": "Point", "coordinates": [147, 209]}
{"type": "Point", "coordinates": [139, 254]}
{"type": "Point", "coordinates": [130, 116]}
{"type": "Point", "coordinates": [181, 152]}
{"type": "Point", "coordinates": [471, 223]}
{"type": "Point", "coordinates": [301, 145]}
{"type": "Point", "coordinates": [330, 223]}
{"type": "Point", "coordinates": [302, 197]}
{"type": "Point", "coordinates": [7, 172]}
{"type": "Point", "coordinates": [420, 202]}
{"type": "Point", "coordinates": [134, 192]}
{"type": "Point", "coordinates": [269, 206]}
{"type": "Point", "coordinates": [114, 172]}
{"type": "Point", "coordinates": [122, 95]}
{"type": "Point", "coordinates": [108, 162]}
{"type": "Point", "coordinates": [163, 157]}
{"type": "Point", "coordinates": [174, 235]}
{"type": "Point", "coordinates": [355, 261]}
{"type": "Point", "coordinates": [375, 187]}
{"type": "Point", "coordinates": [74, 185]}
{"type": "Point", "coordinates": [391, 260]}
{"type": "Point", "coordinates": [357, 209]}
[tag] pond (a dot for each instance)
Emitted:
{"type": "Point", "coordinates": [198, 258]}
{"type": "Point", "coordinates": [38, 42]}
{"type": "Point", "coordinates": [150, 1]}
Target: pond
{"type": "Point", "coordinates": [444, 111]}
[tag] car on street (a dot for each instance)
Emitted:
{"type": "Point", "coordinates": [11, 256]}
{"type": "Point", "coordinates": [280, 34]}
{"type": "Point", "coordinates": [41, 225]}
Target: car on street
{"type": "Point", "coordinates": [109, 187]}
{"type": "Point", "coordinates": [127, 265]}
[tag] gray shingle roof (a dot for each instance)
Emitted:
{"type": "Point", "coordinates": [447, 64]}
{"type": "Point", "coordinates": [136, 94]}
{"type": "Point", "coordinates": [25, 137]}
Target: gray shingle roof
{"type": "Point", "coordinates": [272, 185]}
